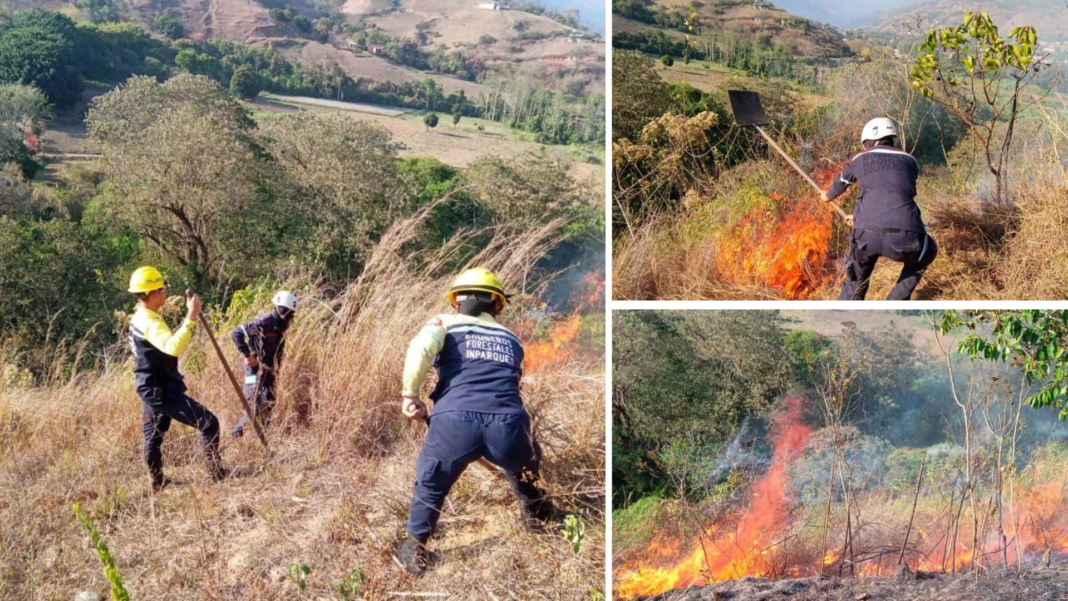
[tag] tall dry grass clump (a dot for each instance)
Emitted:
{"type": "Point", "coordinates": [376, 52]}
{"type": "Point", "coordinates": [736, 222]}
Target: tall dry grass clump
{"type": "Point", "coordinates": [333, 493]}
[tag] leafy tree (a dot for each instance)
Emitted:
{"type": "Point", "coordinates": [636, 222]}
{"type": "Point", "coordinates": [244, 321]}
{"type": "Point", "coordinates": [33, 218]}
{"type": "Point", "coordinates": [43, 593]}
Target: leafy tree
{"type": "Point", "coordinates": [345, 174]}
{"type": "Point", "coordinates": [1034, 341]}
{"type": "Point", "coordinates": [37, 48]}
{"type": "Point", "coordinates": [431, 93]}
{"type": "Point", "coordinates": [244, 83]}
{"type": "Point", "coordinates": [100, 11]}
{"type": "Point", "coordinates": [55, 277]}
{"type": "Point", "coordinates": [638, 94]}
{"type": "Point", "coordinates": [20, 108]}
{"type": "Point", "coordinates": [528, 192]}
{"type": "Point", "coordinates": [169, 27]}
{"type": "Point", "coordinates": [182, 166]}
{"type": "Point", "coordinates": [456, 118]}
{"type": "Point", "coordinates": [666, 60]}
{"type": "Point", "coordinates": [430, 120]}
{"type": "Point", "coordinates": [115, 51]}
{"type": "Point", "coordinates": [688, 375]}
{"type": "Point", "coordinates": [301, 23]}
{"type": "Point", "coordinates": [982, 79]}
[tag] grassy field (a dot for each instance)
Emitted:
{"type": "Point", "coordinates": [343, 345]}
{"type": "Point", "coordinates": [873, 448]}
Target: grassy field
{"type": "Point", "coordinates": [457, 146]}
{"type": "Point", "coordinates": [333, 493]}
{"type": "Point", "coordinates": [703, 75]}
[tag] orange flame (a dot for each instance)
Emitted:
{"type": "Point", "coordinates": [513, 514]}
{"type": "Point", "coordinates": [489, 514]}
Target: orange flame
{"type": "Point", "coordinates": [748, 550]}
{"type": "Point", "coordinates": [592, 291]}
{"type": "Point", "coordinates": [543, 355]}
{"type": "Point", "coordinates": [751, 542]}
{"type": "Point", "coordinates": [785, 245]}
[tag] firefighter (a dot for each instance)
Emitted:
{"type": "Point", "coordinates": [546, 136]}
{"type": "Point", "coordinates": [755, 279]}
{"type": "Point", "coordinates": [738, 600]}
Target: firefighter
{"type": "Point", "coordinates": [159, 384]}
{"type": "Point", "coordinates": [886, 222]}
{"type": "Point", "coordinates": [477, 412]}
{"type": "Point", "coordinates": [262, 343]}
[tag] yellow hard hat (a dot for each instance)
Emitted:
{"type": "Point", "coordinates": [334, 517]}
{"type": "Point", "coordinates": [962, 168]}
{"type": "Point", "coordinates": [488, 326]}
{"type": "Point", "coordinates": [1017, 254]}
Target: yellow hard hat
{"type": "Point", "coordinates": [478, 279]}
{"type": "Point", "coordinates": [146, 279]}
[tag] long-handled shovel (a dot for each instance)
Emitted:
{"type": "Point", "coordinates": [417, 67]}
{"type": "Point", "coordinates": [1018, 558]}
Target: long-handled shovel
{"type": "Point", "coordinates": [233, 380]}
{"type": "Point", "coordinates": [749, 113]}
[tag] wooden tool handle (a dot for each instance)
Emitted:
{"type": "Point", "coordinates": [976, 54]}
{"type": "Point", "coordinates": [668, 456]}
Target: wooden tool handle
{"type": "Point", "coordinates": [798, 168]}
{"type": "Point", "coordinates": [233, 380]}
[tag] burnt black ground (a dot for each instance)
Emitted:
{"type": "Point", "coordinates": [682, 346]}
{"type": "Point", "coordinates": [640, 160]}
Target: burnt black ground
{"type": "Point", "coordinates": [1038, 584]}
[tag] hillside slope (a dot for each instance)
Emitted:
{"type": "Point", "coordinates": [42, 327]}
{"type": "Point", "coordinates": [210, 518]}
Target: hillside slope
{"type": "Point", "coordinates": [332, 494]}
{"type": "Point", "coordinates": [767, 25]}
{"type": "Point", "coordinates": [508, 42]}
{"type": "Point", "coordinates": [1050, 18]}
{"type": "Point", "coordinates": [540, 46]}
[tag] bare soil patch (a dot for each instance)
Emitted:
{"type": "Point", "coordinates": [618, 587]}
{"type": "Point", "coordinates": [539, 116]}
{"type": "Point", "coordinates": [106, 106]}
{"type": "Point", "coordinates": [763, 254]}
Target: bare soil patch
{"type": "Point", "coordinates": [366, 66]}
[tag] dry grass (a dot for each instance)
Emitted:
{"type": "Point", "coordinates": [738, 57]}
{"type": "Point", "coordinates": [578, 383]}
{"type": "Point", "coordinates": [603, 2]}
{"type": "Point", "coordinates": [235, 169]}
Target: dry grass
{"type": "Point", "coordinates": [1013, 251]}
{"type": "Point", "coordinates": [334, 492]}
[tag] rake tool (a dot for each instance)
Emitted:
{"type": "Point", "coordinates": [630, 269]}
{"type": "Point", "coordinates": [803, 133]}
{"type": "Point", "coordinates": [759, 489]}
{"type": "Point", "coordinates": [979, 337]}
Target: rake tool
{"type": "Point", "coordinates": [749, 113]}
{"type": "Point", "coordinates": [237, 387]}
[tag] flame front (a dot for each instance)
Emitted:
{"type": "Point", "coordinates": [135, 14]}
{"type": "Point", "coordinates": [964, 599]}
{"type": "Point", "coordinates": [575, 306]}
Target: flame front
{"type": "Point", "coordinates": [778, 536]}
{"type": "Point", "coordinates": [544, 354]}
{"type": "Point", "coordinates": [782, 244]}
{"type": "Point", "coordinates": [745, 550]}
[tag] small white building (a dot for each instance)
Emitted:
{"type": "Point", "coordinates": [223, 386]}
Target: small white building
{"type": "Point", "coordinates": [490, 6]}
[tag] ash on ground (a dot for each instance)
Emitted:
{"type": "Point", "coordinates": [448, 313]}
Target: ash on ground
{"type": "Point", "coordinates": [1038, 584]}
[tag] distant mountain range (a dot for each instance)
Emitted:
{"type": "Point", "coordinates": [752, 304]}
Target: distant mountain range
{"type": "Point", "coordinates": [844, 13]}
{"type": "Point", "coordinates": [1049, 16]}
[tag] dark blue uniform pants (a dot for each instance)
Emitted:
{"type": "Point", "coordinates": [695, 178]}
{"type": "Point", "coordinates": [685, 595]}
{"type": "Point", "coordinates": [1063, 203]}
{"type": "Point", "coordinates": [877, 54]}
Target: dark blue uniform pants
{"type": "Point", "coordinates": [260, 395]}
{"type": "Point", "coordinates": [915, 250]}
{"type": "Point", "coordinates": [458, 438]}
{"type": "Point", "coordinates": [161, 407]}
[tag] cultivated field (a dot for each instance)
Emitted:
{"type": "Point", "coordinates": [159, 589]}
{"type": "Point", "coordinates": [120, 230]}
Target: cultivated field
{"type": "Point", "coordinates": [463, 144]}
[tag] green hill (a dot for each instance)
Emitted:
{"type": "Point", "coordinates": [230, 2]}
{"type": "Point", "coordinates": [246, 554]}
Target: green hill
{"type": "Point", "coordinates": [757, 38]}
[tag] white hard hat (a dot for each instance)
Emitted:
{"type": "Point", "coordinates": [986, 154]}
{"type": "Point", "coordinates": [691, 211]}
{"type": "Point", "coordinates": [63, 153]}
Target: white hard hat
{"type": "Point", "coordinates": [284, 298]}
{"type": "Point", "coordinates": [879, 128]}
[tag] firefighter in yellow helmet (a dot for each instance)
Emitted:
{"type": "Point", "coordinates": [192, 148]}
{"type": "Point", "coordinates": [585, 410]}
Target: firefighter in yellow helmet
{"type": "Point", "coordinates": [159, 384]}
{"type": "Point", "coordinates": [477, 412]}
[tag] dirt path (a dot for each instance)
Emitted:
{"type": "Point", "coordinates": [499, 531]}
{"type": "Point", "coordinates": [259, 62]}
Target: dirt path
{"type": "Point", "coordinates": [373, 109]}
{"type": "Point", "coordinates": [1040, 584]}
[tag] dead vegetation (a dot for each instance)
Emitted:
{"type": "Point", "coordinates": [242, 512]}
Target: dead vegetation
{"type": "Point", "coordinates": [333, 493]}
{"type": "Point", "coordinates": [1012, 249]}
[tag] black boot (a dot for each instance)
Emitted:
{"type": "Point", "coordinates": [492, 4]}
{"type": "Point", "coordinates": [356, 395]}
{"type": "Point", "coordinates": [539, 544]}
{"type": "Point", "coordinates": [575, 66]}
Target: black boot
{"type": "Point", "coordinates": [159, 482]}
{"type": "Point", "coordinates": [220, 473]}
{"type": "Point", "coordinates": [538, 515]}
{"type": "Point", "coordinates": [411, 555]}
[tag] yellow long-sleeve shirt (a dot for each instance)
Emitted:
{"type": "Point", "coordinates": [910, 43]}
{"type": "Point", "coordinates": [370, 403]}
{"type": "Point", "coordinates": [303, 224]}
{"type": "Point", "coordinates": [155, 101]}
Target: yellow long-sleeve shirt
{"type": "Point", "coordinates": [156, 349]}
{"type": "Point", "coordinates": [428, 343]}
{"type": "Point", "coordinates": [156, 331]}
